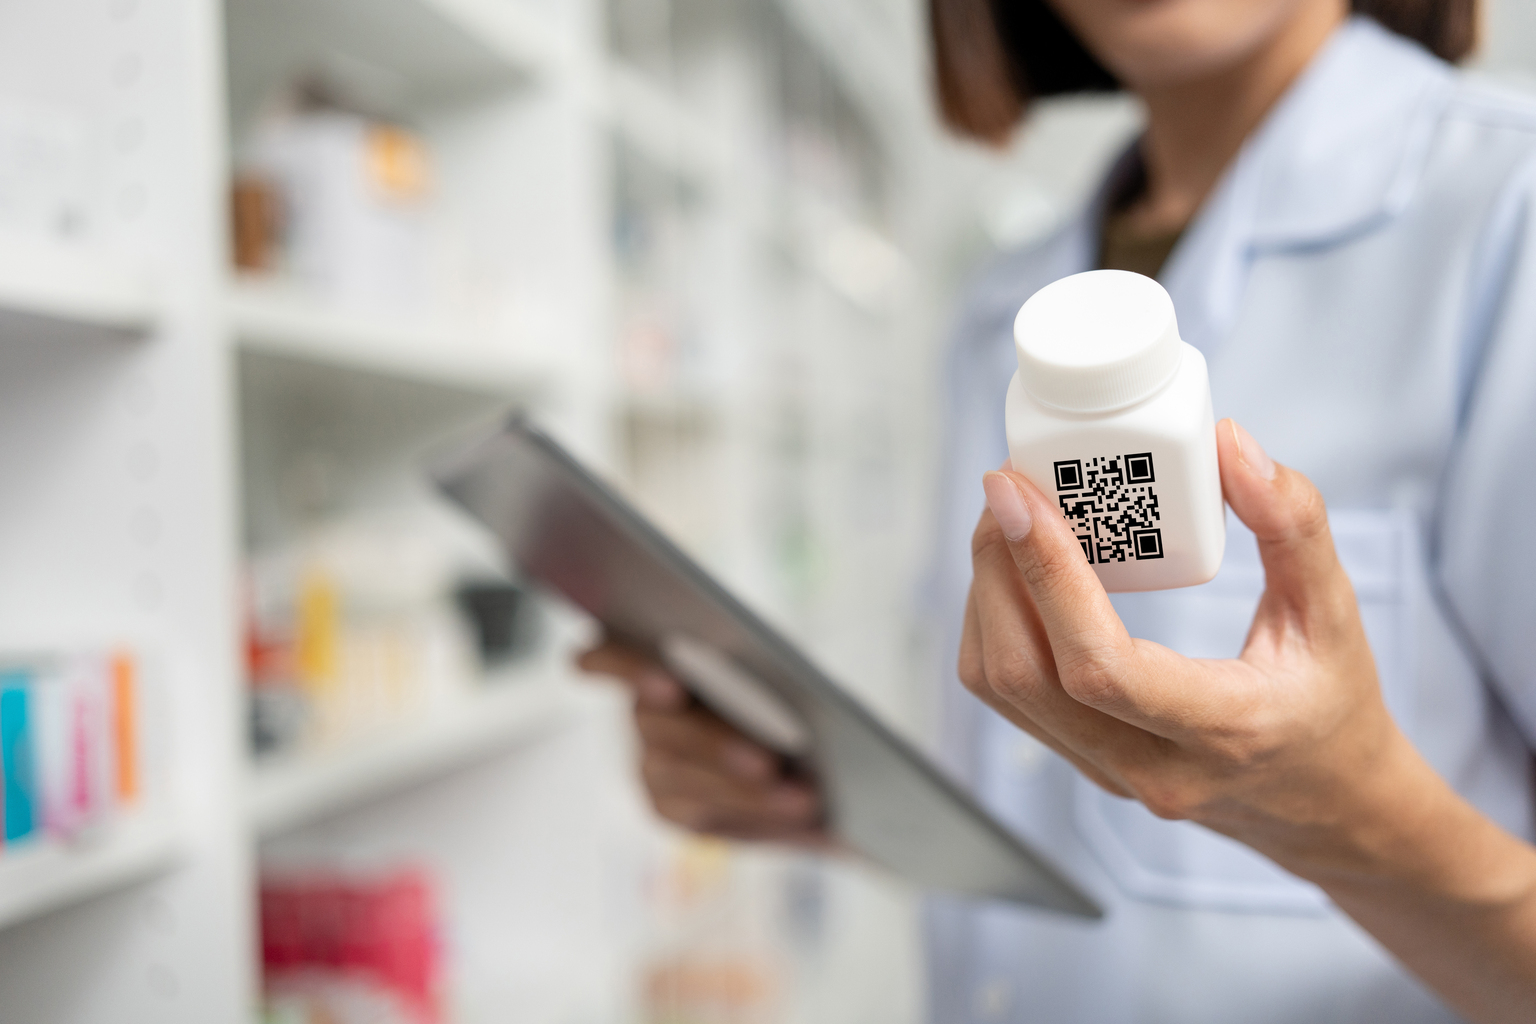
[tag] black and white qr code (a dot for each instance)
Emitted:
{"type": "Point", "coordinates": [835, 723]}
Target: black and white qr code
{"type": "Point", "coordinates": [1111, 505]}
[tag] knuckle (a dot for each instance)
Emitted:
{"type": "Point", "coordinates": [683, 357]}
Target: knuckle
{"type": "Point", "coordinates": [1092, 676]}
{"type": "Point", "coordinates": [1109, 784]}
{"type": "Point", "coordinates": [1114, 788]}
{"type": "Point", "coordinates": [1049, 573]}
{"type": "Point", "coordinates": [688, 814]}
{"type": "Point", "coordinates": [1251, 730]}
{"type": "Point", "coordinates": [988, 543]}
{"type": "Point", "coordinates": [1235, 749]}
{"type": "Point", "coordinates": [1011, 673]}
{"type": "Point", "coordinates": [1171, 795]}
{"type": "Point", "coordinates": [973, 675]}
{"type": "Point", "coordinates": [1311, 513]}
{"type": "Point", "coordinates": [1168, 801]}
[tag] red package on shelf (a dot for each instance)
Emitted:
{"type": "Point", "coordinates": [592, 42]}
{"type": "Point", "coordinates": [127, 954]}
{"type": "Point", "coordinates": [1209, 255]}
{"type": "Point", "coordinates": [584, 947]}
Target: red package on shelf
{"type": "Point", "coordinates": [379, 931]}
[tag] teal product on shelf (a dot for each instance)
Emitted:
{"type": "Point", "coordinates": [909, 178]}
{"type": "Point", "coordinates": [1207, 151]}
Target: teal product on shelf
{"type": "Point", "coordinates": [16, 754]}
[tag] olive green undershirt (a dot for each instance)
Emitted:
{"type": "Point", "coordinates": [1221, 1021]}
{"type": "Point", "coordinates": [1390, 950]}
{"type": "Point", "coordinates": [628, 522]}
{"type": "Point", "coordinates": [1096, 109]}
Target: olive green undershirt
{"type": "Point", "coordinates": [1121, 247]}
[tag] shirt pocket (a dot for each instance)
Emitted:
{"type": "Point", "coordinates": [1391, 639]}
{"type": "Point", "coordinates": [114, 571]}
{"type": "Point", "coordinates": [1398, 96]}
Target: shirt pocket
{"type": "Point", "coordinates": [1182, 863]}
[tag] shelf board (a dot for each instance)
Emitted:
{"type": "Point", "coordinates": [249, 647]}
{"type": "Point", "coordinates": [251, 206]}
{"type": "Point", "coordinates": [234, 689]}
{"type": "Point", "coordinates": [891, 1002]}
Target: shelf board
{"type": "Point", "coordinates": [291, 790]}
{"type": "Point", "coordinates": [52, 289]}
{"type": "Point", "coordinates": [46, 876]}
{"type": "Point", "coordinates": [514, 35]}
{"type": "Point", "coordinates": [695, 410]}
{"type": "Point", "coordinates": [427, 51]}
{"type": "Point", "coordinates": [659, 127]}
{"type": "Point", "coordinates": [276, 321]}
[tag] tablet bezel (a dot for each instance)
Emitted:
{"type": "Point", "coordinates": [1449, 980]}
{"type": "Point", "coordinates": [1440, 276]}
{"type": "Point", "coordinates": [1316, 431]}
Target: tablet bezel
{"type": "Point", "coordinates": [549, 512]}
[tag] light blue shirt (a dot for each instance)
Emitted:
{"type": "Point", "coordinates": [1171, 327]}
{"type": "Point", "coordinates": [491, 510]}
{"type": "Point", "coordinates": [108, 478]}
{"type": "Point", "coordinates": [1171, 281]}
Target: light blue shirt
{"type": "Point", "coordinates": [1363, 286]}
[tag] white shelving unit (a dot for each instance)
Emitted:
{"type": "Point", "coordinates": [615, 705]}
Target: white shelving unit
{"type": "Point", "coordinates": [644, 115]}
{"type": "Point", "coordinates": [114, 423]}
{"type": "Point", "coordinates": [435, 51]}
{"type": "Point", "coordinates": [155, 406]}
{"type": "Point", "coordinates": [285, 323]}
{"type": "Point", "coordinates": [65, 290]}
{"type": "Point", "coordinates": [50, 876]}
{"type": "Point", "coordinates": [292, 790]}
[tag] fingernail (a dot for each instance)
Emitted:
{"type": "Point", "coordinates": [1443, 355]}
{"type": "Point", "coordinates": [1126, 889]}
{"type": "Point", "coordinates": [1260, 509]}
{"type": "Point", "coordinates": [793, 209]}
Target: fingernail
{"type": "Point", "coordinates": [1007, 506]}
{"type": "Point", "coordinates": [1007, 466]}
{"type": "Point", "coordinates": [1249, 451]}
{"type": "Point", "coordinates": [746, 761]}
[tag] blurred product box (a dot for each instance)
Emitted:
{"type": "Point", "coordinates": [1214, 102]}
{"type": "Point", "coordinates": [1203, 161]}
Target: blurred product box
{"type": "Point", "coordinates": [70, 744]}
{"type": "Point", "coordinates": [351, 948]}
{"type": "Point", "coordinates": [715, 953]}
{"type": "Point", "coordinates": [363, 624]}
{"type": "Point", "coordinates": [338, 203]}
{"type": "Point", "coordinates": [504, 617]}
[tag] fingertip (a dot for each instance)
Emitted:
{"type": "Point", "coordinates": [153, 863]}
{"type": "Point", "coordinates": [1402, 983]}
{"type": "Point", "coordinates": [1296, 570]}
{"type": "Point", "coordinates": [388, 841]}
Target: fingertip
{"type": "Point", "coordinates": [1006, 501]}
{"type": "Point", "coordinates": [658, 691]}
{"type": "Point", "coordinates": [604, 659]}
{"type": "Point", "coordinates": [1272, 500]}
{"type": "Point", "coordinates": [1250, 453]}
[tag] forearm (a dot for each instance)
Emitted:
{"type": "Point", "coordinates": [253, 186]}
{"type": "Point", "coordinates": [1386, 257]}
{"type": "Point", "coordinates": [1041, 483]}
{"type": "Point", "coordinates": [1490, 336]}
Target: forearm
{"type": "Point", "coordinates": [1447, 891]}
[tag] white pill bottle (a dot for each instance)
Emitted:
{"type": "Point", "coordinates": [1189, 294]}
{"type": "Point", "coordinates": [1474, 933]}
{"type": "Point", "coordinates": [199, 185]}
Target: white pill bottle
{"type": "Point", "coordinates": [1110, 415]}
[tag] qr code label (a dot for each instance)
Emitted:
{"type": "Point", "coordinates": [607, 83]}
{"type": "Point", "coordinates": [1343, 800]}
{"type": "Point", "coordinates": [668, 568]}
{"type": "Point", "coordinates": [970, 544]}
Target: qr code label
{"type": "Point", "coordinates": [1111, 506]}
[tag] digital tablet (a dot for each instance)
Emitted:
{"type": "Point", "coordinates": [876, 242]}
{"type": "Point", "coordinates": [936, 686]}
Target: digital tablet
{"type": "Point", "coordinates": [565, 529]}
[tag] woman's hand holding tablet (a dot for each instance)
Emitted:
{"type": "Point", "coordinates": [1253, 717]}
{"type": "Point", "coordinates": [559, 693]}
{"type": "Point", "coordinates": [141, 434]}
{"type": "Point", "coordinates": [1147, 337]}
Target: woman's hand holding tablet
{"type": "Point", "coordinates": [702, 773]}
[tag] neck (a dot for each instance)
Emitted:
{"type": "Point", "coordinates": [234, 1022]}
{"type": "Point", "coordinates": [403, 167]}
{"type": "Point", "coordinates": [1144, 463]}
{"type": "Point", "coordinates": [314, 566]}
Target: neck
{"type": "Point", "coordinates": [1196, 127]}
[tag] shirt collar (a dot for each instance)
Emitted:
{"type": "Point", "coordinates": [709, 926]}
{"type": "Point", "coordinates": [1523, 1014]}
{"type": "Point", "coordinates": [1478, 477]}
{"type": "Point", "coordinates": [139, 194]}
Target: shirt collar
{"type": "Point", "coordinates": [1340, 155]}
{"type": "Point", "coordinates": [1345, 147]}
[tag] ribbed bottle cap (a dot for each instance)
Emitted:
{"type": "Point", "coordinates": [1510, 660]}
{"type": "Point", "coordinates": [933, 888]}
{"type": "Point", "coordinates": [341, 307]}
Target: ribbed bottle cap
{"type": "Point", "coordinates": [1097, 342]}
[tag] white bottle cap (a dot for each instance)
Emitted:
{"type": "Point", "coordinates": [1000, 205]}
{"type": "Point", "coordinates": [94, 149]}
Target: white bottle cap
{"type": "Point", "coordinates": [1097, 342]}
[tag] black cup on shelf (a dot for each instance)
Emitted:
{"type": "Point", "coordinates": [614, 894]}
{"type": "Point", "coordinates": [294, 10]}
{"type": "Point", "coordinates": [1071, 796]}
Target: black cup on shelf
{"type": "Point", "coordinates": [503, 616]}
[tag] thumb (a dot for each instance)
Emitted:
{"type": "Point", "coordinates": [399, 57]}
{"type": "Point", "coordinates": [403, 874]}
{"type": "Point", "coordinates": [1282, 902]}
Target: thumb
{"type": "Point", "coordinates": [1287, 515]}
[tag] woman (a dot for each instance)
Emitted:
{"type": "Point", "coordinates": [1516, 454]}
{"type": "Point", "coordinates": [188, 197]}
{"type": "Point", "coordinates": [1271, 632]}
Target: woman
{"type": "Point", "coordinates": [1333, 826]}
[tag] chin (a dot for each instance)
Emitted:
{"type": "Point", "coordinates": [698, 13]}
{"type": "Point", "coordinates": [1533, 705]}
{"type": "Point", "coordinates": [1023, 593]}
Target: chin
{"type": "Point", "coordinates": [1155, 43]}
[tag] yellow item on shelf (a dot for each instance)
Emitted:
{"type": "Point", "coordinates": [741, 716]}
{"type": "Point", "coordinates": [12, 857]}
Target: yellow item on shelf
{"type": "Point", "coordinates": [397, 163]}
{"type": "Point", "coordinates": [318, 626]}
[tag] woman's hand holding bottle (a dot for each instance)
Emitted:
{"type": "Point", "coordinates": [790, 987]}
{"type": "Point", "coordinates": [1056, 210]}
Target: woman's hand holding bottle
{"type": "Point", "coordinates": [1288, 748]}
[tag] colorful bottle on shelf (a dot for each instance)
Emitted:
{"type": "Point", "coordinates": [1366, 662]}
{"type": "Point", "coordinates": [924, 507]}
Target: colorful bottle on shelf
{"type": "Point", "coordinates": [125, 724]}
{"type": "Point", "coordinates": [17, 758]}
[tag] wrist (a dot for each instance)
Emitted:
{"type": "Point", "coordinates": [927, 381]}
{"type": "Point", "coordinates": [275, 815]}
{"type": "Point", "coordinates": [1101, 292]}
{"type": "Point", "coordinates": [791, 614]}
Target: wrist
{"type": "Point", "coordinates": [1400, 826]}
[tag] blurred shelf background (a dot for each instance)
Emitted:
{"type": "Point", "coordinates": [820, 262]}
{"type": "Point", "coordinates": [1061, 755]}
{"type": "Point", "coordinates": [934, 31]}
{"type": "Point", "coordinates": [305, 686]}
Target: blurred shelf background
{"type": "Point", "coordinates": [287, 324]}
{"type": "Point", "coordinates": [710, 244]}
{"type": "Point", "coordinates": [294, 789]}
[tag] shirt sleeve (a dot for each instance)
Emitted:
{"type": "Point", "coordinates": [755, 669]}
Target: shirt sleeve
{"type": "Point", "coordinates": [976, 383]}
{"type": "Point", "coordinates": [1486, 527]}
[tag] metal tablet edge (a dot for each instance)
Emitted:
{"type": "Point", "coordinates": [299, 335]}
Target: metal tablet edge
{"type": "Point", "coordinates": [454, 459]}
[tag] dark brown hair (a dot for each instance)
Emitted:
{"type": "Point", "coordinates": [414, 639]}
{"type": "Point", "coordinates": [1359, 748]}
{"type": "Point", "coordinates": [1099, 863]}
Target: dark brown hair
{"type": "Point", "coordinates": [991, 57]}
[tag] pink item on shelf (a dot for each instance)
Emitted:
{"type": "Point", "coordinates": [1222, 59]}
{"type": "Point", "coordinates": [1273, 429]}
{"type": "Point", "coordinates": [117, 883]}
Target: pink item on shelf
{"type": "Point", "coordinates": [378, 930]}
{"type": "Point", "coordinates": [77, 744]}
